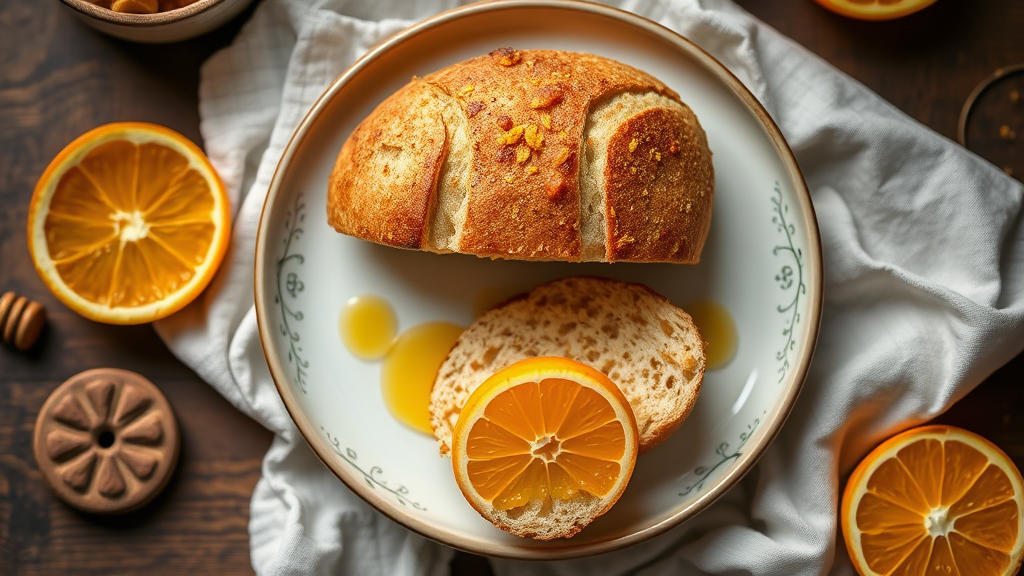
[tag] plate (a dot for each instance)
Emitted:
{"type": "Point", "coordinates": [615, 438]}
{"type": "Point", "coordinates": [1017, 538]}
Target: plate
{"type": "Point", "coordinates": [762, 261]}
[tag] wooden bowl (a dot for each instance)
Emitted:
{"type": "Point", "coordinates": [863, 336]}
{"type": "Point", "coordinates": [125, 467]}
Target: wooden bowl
{"type": "Point", "coordinates": [171, 26]}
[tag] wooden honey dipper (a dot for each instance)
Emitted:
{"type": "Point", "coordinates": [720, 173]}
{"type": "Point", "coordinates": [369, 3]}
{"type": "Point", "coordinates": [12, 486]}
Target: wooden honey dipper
{"type": "Point", "coordinates": [21, 320]}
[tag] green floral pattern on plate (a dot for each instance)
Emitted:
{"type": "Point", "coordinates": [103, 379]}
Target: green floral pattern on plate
{"type": "Point", "coordinates": [703, 472]}
{"type": "Point", "coordinates": [791, 280]}
{"type": "Point", "coordinates": [293, 285]}
{"type": "Point", "coordinates": [290, 283]}
{"type": "Point", "coordinates": [788, 279]}
{"type": "Point", "coordinates": [373, 476]}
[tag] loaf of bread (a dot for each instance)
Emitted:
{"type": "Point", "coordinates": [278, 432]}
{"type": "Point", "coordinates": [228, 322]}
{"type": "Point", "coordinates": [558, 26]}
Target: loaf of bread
{"type": "Point", "coordinates": [649, 348]}
{"type": "Point", "coordinates": [529, 155]}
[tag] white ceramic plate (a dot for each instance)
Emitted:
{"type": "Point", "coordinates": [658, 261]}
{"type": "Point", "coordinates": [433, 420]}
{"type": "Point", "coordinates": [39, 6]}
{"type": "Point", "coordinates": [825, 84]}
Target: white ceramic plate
{"type": "Point", "coordinates": [762, 261]}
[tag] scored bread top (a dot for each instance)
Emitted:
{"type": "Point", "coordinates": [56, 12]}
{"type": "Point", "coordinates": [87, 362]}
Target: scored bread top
{"type": "Point", "coordinates": [533, 155]}
{"type": "Point", "coordinates": [649, 348]}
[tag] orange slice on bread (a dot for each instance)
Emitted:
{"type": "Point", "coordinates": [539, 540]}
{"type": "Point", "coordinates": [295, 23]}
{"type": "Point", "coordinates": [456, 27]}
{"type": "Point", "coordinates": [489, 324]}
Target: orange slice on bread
{"type": "Point", "coordinates": [544, 446]}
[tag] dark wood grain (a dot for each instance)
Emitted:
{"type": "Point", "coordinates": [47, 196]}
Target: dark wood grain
{"type": "Point", "coordinates": [59, 79]}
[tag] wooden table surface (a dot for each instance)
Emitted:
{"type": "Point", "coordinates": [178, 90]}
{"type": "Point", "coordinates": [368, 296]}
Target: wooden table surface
{"type": "Point", "coordinates": [59, 79]}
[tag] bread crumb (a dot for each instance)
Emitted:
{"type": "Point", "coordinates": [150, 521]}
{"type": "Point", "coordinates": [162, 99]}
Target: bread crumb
{"type": "Point", "coordinates": [511, 137]}
{"type": "Point", "coordinates": [548, 95]}
{"type": "Point", "coordinates": [466, 90]}
{"type": "Point", "coordinates": [545, 119]}
{"type": "Point", "coordinates": [534, 137]}
{"type": "Point", "coordinates": [633, 144]}
{"type": "Point", "coordinates": [531, 170]}
{"type": "Point", "coordinates": [507, 56]}
{"type": "Point", "coordinates": [522, 154]}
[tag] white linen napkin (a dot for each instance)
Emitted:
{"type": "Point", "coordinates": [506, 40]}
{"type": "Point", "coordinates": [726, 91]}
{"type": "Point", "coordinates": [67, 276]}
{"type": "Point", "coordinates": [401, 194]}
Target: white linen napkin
{"type": "Point", "coordinates": [924, 295]}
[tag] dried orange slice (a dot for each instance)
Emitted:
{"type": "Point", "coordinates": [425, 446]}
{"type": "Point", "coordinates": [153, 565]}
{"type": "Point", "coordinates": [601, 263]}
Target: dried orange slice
{"type": "Point", "coordinates": [875, 9]}
{"type": "Point", "coordinates": [935, 500]}
{"type": "Point", "coordinates": [544, 446]}
{"type": "Point", "coordinates": [128, 223]}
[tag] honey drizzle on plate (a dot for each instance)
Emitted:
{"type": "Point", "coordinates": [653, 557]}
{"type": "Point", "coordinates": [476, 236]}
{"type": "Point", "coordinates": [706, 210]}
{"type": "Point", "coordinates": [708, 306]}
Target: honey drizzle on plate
{"type": "Point", "coordinates": [410, 367]}
{"type": "Point", "coordinates": [717, 328]}
{"type": "Point", "coordinates": [368, 326]}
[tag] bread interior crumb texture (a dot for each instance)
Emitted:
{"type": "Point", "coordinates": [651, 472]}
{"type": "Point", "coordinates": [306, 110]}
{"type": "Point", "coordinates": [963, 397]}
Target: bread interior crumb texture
{"type": "Point", "coordinates": [649, 348]}
{"type": "Point", "coordinates": [449, 212]}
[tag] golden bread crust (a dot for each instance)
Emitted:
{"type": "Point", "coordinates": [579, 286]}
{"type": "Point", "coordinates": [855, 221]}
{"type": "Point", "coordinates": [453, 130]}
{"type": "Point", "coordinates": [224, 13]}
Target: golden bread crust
{"type": "Point", "coordinates": [382, 185]}
{"type": "Point", "coordinates": [658, 174]}
{"type": "Point", "coordinates": [514, 211]}
{"type": "Point", "coordinates": [526, 113]}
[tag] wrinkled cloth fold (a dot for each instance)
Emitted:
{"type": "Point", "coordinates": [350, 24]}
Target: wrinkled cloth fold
{"type": "Point", "coordinates": [924, 295]}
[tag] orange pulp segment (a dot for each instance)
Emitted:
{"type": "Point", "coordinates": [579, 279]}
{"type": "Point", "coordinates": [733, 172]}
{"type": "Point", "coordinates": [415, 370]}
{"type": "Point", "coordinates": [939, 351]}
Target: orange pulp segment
{"type": "Point", "coordinates": [544, 428]}
{"type": "Point", "coordinates": [935, 500]}
{"type": "Point", "coordinates": [128, 223]}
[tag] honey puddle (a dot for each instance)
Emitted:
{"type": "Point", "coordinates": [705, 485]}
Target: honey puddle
{"type": "Point", "coordinates": [368, 326]}
{"type": "Point", "coordinates": [717, 328]}
{"type": "Point", "coordinates": [409, 370]}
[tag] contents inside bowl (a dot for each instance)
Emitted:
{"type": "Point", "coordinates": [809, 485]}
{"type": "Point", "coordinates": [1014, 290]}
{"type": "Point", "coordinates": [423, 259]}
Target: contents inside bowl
{"type": "Point", "coordinates": [141, 6]}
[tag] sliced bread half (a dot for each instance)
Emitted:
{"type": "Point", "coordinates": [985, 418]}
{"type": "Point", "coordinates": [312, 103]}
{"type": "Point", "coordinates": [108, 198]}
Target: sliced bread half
{"type": "Point", "coordinates": [649, 348]}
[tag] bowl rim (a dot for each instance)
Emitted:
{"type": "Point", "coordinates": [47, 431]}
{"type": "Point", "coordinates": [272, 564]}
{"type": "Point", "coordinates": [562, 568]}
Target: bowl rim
{"type": "Point", "coordinates": [771, 422]}
{"type": "Point", "coordinates": [140, 20]}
